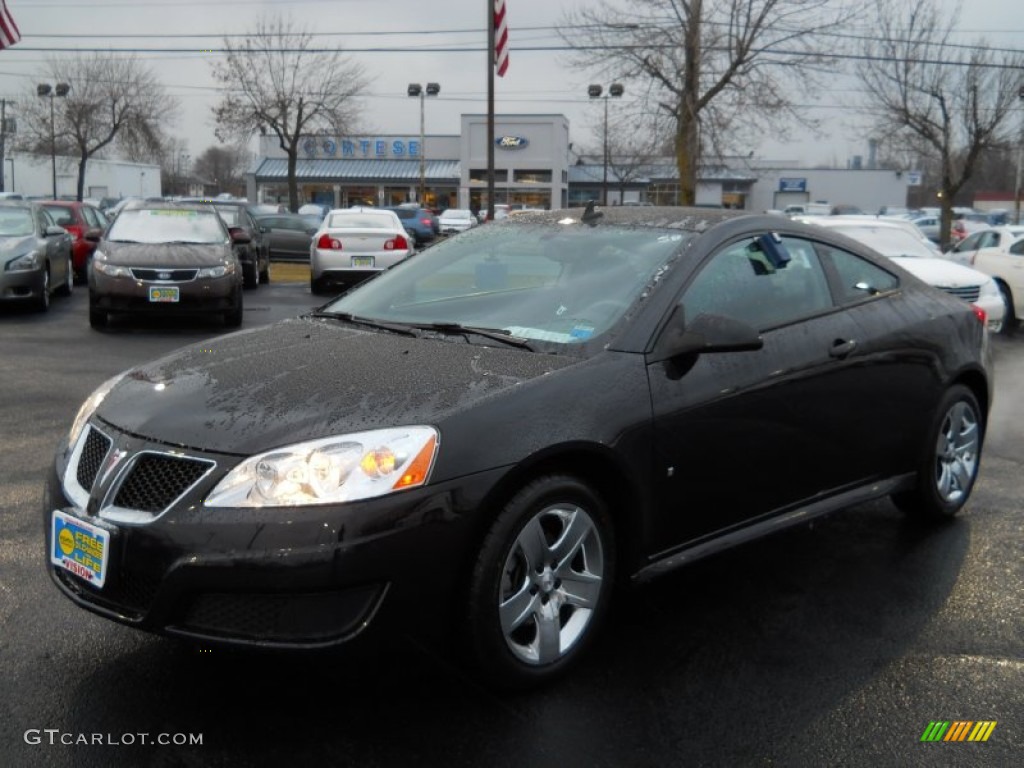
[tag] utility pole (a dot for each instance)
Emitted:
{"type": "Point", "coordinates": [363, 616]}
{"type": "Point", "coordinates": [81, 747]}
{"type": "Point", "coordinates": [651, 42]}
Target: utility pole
{"type": "Point", "coordinates": [3, 142]}
{"type": "Point", "coordinates": [1020, 160]}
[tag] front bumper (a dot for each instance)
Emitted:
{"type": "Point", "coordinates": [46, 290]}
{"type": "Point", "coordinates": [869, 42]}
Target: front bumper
{"type": "Point", "coordinates": [305, 577]}
{"type": "Point", "coordinates": [122, 294]}
{"type": "Point", "coordinates": [21, 285]}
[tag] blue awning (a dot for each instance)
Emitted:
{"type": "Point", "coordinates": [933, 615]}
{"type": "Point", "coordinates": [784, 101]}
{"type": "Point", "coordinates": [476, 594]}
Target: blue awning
{"type": "Point", "coordinates": [327, 169]}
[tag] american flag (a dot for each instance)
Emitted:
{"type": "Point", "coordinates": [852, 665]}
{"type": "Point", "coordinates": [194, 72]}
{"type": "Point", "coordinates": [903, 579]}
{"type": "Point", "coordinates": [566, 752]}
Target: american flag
{"type": "Point", "coordinates": [9, 33]}
{"type": "Point", "coordinates": [500, 38]}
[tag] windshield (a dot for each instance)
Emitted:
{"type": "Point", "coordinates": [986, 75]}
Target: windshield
{"type": "Point", "coordinates": [15, 222]}
{"type": "Point", "coordinates": [163, 225]}
{"type": "Point", "coordinates": [359, 220]}
{"type": "Point", "coordinates": [889, 241]}
{"type": "Point", "coordinates": [540, 283]}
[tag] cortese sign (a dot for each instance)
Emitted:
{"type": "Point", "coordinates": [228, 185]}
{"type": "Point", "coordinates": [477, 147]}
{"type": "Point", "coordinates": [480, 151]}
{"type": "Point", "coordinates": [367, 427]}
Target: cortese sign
{"type": "Point", "coordinates": [363, 149]}
{"type": "Point", "coordinates": [511, 142]}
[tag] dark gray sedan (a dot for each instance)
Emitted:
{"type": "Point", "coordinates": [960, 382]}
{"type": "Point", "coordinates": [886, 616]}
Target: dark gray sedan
{"type": "Point", "coordinates": [35, 253]}
{"type": "Point", "coordinates": [289, 234]}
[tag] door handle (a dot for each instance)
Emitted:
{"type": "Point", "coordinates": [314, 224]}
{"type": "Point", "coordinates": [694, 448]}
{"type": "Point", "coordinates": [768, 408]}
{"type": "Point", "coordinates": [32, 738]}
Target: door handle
{"type": "Point", "coordinates": [842, 348]}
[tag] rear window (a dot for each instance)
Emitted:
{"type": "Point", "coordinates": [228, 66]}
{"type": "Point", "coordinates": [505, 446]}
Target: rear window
{"type": "Point", "coordinates": [347, 220]}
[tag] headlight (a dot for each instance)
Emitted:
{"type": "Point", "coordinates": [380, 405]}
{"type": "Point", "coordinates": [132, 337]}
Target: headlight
{"type": "Point", "coordinates": [989, 288]}
{"type": "Point", "coordinates": [89, 407]}
{"type": "Point", "coordinates": [99, 263]}
{"type": "Point", "coordinates": [219, 271]}
{"type": "Point", "coordinates": [23, 263]}
{"type": "Point", "coordinates": [362, 465]}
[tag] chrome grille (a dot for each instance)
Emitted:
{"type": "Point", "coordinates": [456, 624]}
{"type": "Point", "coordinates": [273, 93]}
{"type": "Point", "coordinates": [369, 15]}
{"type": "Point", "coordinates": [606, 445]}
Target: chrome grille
{"type": "Point", "coordinates": [96, 446]}
{"type": "Point", "coordinates": [165, 275]}
{"type": "Point", "coordinates": [967, 293]}
{"type": "Point", "coordinates": [157, 480]}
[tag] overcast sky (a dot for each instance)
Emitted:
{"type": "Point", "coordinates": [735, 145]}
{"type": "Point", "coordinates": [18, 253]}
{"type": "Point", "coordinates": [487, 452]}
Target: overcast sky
{"type": "Point", "coordinates": [537, 82]}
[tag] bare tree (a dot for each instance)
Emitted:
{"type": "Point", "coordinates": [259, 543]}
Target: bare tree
{"type": "Point", "coordinates": [938, 97]}
{"type": "Point", "coordinates": [277, 82]}
{"type": "Point", "coordinates": [717, 71]}
{"type": "Point", "coordinates": [223, 167]}
{"type": "Point", "coordinates": [113, 101]}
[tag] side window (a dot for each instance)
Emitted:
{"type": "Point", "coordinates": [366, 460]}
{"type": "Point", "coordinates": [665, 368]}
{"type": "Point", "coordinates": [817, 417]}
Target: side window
{"type": "Point", "coordinates": [969, 243]}
{"type": "Point", "coordinates": [45, 219]}
{"type": "Point", "coordinates": [92, 216]}
{"type": "Point", "coordinates": [1017, 249]}
{"type": "Point", "coordinates": [740, 282]}
{"type": "Point", "coordinates": [858, 278]}
{"type": "Point", "coordinates": [988, 240]}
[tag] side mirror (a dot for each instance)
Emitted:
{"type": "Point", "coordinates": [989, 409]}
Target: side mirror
{"type": "Point", "coordinates": [93, 235]}
{"type": "Point", "coordinates": [240, 236]}
{"type": "Point", "coordinates": [52, 230]}
{"type": "Point", "coordinates": [703, 335]}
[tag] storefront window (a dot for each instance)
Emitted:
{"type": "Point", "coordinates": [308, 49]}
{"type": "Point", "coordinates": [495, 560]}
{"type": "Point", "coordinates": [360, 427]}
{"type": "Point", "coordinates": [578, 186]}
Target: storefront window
{"type": "Point", "coordinates": [480, 175]}
{"type": "Point", "coordinates": [531, 177]}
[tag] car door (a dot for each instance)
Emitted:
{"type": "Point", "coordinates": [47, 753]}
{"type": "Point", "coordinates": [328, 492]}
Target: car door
{"type": "Point", "coordinates": [58, 248]}
{"type": "Point", "coordinates": [1007, 267]}
{"type": "Point", "coordinates": [744, 435]}
{"type": "Point", "coordinates": [291, 237]}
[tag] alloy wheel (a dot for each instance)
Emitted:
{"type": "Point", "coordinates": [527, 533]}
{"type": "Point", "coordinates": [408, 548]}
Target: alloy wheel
{"type": "Point", "coordinates": [551, 583]}
{"type": "Point", "coordinates": [956, 459]}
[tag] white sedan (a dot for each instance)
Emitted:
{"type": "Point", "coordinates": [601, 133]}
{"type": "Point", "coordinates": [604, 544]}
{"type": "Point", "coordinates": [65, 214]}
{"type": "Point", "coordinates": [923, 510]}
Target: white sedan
{"type": "Point", "coordinates": [353, 244]}
{"type": "Point", "coordinates": [455, 220]}
{"type": "Point", "coordinates": [998, 252]}
{"type": "Point", "coordinates": [890, 239]}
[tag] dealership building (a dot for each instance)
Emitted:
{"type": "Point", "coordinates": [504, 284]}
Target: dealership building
{"type": "Point", "coordinates": [536, 168]}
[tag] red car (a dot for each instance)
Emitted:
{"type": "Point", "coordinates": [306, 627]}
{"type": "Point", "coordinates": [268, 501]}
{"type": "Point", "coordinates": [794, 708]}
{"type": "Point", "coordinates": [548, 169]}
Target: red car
{"type": "Point", "coordinates": [79, 219]}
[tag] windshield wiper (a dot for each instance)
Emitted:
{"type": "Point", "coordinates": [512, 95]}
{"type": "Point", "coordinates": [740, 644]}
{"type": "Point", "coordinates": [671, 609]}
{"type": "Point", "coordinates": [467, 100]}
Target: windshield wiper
{"type": "Point", "coordinates": [497, 334]}
{"type": "Point", "coordinates": [348, 317]}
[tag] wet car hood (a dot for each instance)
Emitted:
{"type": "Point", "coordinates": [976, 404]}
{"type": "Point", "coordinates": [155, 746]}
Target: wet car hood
{"type": "Point", "coordinates": [165, 254]}
{"type": "Point", "coordinates": [307, 378]}
{"type": "Point", "coordinates": [12, 246]}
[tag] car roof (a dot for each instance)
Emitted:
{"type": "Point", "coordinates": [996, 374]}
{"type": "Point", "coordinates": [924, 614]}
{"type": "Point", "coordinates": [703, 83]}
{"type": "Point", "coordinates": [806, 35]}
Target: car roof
{"type": "Point", "coordinates": [669, 217]}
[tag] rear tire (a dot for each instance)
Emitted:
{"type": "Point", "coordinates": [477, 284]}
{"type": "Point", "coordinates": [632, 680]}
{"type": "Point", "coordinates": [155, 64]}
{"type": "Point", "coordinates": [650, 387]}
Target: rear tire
{"type": "Point", "coordinates": [1009, 318]}
{"type": "Point", "coordinates": [946, 473]}
{"type": "Point", "coordinates": [542, 583]}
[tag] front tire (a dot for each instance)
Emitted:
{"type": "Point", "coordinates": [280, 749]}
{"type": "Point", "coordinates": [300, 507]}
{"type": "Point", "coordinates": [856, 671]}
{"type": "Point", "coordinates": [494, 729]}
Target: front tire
{"type": "Point", "coordinates": [251, 275]}
{"type": "Point", "coordinates": [233, 318]}
{"type": "Point", "coordinates": [542, 583]}
{"type": "Point", "coordinates": [946, 475]}
{"type": "Point", "coordinates": [42, 301]}
{"type": "Point", "coordinates": [69, 279]}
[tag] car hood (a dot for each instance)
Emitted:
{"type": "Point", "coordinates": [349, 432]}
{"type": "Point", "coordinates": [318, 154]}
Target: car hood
{"type": "Point", "coordinates": [15, 245]}
{"type": "Point", "coordinates": [308, 378]}
{"type": "Point", "coordinates": [942, 272]}
{"type": "Point", "coordinates": [165, 254]}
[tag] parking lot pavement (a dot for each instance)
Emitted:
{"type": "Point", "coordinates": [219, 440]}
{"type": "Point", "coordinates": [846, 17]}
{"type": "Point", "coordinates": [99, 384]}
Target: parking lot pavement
{"type": "Point", "coordinates": [828, 645]}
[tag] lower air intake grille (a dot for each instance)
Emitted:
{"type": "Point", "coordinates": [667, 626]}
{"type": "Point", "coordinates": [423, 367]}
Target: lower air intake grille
{"type": "Point", "coordinates": [156, 480]}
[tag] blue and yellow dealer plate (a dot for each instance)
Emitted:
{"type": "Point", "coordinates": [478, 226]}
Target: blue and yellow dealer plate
{"type": "Point", "coordinates": [80, 548]}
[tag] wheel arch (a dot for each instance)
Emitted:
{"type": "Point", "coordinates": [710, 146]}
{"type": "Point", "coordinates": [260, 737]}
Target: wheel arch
{"type": "Point", "coordinates": [594, 465]}
{"type": "Point", "coordinates": [978, 384]}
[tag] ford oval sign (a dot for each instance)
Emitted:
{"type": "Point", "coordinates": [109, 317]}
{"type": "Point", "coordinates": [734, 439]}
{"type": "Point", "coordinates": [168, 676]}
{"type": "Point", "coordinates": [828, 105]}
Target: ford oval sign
{"type": "Point", "coordinates": [511, 142]}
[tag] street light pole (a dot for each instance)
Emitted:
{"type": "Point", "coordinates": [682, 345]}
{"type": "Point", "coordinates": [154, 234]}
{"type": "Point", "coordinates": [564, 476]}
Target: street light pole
{"type": "Point", "coordinates": [415, 89]}
{"type": "Point", "coordinates": [45, 89]}
{"type": "Point", "coordinates": [594, 91]}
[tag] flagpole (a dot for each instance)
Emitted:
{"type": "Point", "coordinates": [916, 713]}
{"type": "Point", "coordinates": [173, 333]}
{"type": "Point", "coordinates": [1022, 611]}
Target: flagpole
{"type": "Point", "coordinates": [490, 110]}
